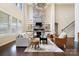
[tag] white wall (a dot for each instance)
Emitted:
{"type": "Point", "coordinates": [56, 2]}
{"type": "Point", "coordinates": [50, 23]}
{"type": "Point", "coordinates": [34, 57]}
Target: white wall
{"type": "Point", "coordinates": [25, 17]}
{"type": "Point", "coordinates": [64, 16]}
{"type": "Point", "coordinates": [50, 17]}
{"type": "Point", "coordinates": [11, 10]}
{"type": "Point", "coordinates": [76, 21]}
{"type": "Point", "coordinates": [7, 39]}
{"type": "Point", "coordinates": [47, 14]}
{"type": "Point", "coordinates": [29, 11]}
{"type": "Point", "coordinates": [29, 15]}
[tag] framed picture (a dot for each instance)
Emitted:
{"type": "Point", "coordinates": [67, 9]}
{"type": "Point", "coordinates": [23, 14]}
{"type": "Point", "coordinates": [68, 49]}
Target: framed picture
{"type": "Point", "coordinates": [29, 28]}
{"type": "Point", "coordinates": [47, 27]}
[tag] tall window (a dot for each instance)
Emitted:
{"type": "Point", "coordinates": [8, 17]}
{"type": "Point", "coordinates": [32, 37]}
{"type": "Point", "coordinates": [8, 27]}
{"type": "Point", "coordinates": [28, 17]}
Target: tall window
{"type": "Point", "coordinates": [19, 26]}
{"type": "Point", "coordinates": [5, 25]}
{"type": "Point", "coordinates": [4, 22]}
{"type": "Point", "coordinates": [14, 25]}
{"type": "Point", "coordinates": [19, 5]}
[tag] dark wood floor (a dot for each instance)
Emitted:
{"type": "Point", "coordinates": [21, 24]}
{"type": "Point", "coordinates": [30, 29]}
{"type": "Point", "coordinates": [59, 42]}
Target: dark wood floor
{"type": "Point", "coordinates": [11, 50]}
{"type": "Point", "coordinates": [71, 50]}
{"type": "Point", "coordinates": [8, 50]}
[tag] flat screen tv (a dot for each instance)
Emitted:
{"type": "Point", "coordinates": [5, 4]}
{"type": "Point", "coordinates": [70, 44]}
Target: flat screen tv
{"type": "Point", "coordinates": [38, 24]}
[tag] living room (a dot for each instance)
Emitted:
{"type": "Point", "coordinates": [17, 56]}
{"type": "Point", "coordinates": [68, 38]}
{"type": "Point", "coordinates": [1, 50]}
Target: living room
{"type": "Point", "coordinates": [39, 27]}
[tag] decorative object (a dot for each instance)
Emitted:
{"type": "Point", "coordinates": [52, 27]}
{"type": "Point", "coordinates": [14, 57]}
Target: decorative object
{"type": "Point", "coordinates": [47, 27]}
{"type": "Point", "coordinates": [35, 42]}
{"type": "Point", "coordinates": [30, 28]}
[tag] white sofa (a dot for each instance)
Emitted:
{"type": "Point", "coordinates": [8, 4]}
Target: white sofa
{"type": "Point", "coordinates": [22, 40]}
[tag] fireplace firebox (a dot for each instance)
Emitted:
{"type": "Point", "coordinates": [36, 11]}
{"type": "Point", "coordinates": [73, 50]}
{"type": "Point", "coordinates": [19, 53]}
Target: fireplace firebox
{"type": "Point", "coordinates": [38, 34]}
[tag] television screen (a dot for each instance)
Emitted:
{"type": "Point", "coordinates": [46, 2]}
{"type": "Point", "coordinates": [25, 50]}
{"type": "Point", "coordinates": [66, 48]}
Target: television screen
{"type": "Point", "coordinates": [38, 24]}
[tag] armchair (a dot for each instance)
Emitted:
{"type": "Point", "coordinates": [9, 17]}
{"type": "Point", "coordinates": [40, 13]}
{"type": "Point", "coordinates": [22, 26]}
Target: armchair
{"type": "Point", "coordinates": [61, 40]}
{"type": "Point", "coordinates": [52, 37]}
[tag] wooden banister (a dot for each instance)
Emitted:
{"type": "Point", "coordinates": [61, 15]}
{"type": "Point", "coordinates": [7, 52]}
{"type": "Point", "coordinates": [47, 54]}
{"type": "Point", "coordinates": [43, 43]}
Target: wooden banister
{"type": "Point", "coordinates": [68, 25]}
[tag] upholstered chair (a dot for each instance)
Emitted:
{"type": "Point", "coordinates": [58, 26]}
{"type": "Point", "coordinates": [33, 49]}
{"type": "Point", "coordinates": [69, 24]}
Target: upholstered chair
{"type": "Point", "coordinates": [50, 36]}
{"type": "Point", "coordinates": [61, 40]}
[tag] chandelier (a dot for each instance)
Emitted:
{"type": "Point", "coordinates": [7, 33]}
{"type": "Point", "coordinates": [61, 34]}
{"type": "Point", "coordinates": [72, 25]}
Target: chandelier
{"type": "Point", "coordinates": [41, 5]}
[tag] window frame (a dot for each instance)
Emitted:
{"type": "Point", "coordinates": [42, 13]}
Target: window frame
{"type": "Point", "coordinates": [9, 28]}
{"type": "Point", "coordinates": [19, 5]}
{"type": "Point", "coordinates": [6, 22]}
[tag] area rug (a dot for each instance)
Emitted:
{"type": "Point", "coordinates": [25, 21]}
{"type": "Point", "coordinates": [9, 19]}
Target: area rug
{"type": "Point", "coordinates": [50, 47]}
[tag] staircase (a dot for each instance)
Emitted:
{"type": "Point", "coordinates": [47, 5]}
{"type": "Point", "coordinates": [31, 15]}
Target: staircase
{"type": "Point", "coordinates": [69, 29]}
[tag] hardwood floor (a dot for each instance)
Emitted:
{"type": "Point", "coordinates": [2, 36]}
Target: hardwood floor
{"type": "Point", "coordinates": [11, 50]}
{"type": "Point", "coordinates": [71, 50]}
{"type": "Point", "coordinates": [8, 50]}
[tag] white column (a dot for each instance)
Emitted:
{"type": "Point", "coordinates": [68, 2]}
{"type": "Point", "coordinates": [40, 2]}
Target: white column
{"type": "Point", "coordinates": [52, 21]}
{"type": "Point", "coordinates": [76, 22]}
